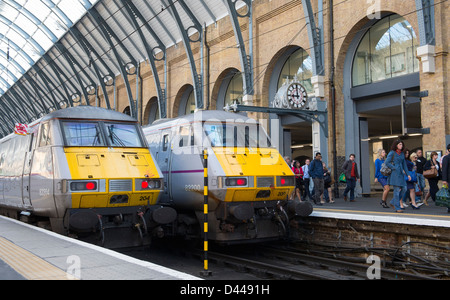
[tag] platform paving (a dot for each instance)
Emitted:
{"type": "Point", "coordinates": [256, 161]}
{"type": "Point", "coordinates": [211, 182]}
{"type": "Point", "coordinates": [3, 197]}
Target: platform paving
{"type": "Point", "coordinates": [28, 252]}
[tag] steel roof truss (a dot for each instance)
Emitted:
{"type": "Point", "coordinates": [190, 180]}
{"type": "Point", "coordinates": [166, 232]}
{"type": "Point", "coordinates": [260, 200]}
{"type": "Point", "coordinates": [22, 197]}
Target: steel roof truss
{"type": "Point", "coordinates": [89, 50]}
{"type": "Point", "coordinates": [135, 14]}
{"type": "Point", "coordinates": [108, 34]}
{"type": "Point", "coordinates": [196, 77]}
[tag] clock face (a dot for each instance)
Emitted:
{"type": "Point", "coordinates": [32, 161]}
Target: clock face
{"type": "Point", "coordinates": [296, 95]}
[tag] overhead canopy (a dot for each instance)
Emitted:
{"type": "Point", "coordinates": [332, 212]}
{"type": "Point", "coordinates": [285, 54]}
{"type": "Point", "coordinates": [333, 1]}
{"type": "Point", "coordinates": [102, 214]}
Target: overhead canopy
{"type": "Point", "coordinates": [57, 53]}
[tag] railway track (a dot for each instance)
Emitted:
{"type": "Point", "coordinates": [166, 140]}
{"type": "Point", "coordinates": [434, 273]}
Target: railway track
{"type": "Point", "coordinates": [278, 263]}
{"type": "Point", "coordinates": [247, 262]}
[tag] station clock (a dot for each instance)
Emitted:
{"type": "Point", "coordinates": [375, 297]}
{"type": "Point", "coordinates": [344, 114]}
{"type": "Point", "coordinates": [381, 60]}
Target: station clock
{"type": "Point", "coordinates": [296, 95]}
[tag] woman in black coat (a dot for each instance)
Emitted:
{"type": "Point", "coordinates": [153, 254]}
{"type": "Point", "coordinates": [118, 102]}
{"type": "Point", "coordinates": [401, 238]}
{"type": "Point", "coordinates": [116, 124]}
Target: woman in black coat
{"type": "Point", "coordinates": [433, 182]}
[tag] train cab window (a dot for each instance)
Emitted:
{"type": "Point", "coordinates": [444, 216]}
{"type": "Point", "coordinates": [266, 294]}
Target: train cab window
{"type": "Point", "coordinates": [123, 135]}
{"type": "Point", "coordinates": [165, 142]}
{"type": "Point", "coordinates": [184, 136]}
{"type": "Point", "coordinates": [82, 134]}
{"type": "Point", "coordinates": [45, 135]}
{"type": "Point", "coordinates": [236, 135]}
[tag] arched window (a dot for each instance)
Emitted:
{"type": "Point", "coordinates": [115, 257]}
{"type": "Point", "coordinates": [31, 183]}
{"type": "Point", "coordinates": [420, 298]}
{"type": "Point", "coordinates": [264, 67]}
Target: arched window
{"type": "Point", "coordinates": [387, 50]}
{"type": "Point", "coordinates": [299, 63]}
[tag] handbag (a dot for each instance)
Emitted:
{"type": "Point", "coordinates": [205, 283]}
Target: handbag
{"type": "Point", "coordinates": [417, 189]}
{"type": "Point", "coordinates": [385, 170]}
{"type": "Point", "coordinates": [342, 178]}
{"type": "Point", "coordinates": [431, 173]}
{"type": "Point", "coordinates": [413, 176]}
{"type": "Point", "coordinates": [327, 178]}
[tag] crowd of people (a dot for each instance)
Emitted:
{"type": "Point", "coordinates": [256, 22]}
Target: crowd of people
{"type": "Point", "coordinates": [408, 174]}
{"type": "Point", "coordinates": [400, 169]}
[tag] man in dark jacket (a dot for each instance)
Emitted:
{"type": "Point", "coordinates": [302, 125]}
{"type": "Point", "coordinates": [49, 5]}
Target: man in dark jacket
{"type": "Point", "coordinates": [350, 169]}
{"type": "Point", "coordinates": [316, 173]}
{"type": "Point", "coordinates": [446, 170]}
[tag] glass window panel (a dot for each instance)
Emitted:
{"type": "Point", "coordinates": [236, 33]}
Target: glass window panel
{"type": "Point", "coordinates": [78, 134]}
{"type": "Point", "coordinates": [25, 24]}
{"type": "Point", "coordinates": [300, 64]}
{"type": "Point", "coordinates": [72, 9]}
{"type": "Point", "coordinates": [43, 40]}
{"type": "Point", "coordinates": [39, 9]}
{"type": "Point", "coordinates": [380, 51]}
{"type": "Point", "coordinates": [235, 90]}
{"type": "Point", "coordinates": [123, 135]}
{"type": "Point", "coordinates": [190, 104]}
{"type": "Point", "coordinates": [391, 45]}
{"type": "Point", "coordinates": [361, 64]}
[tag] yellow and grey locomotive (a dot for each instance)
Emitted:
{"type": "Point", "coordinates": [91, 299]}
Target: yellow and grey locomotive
{"type": "Point", "coordinates": [248, 180]}
{"type": "Point", "coordinates": [86, 170]}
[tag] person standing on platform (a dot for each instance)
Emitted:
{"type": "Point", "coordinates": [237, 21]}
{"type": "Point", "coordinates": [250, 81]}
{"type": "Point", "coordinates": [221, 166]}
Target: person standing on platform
{"type": "Point", "coordinates": [380, 178]}
{"type": "Point", "coordinates": [397, 163]}
{"type": "Point", "coordinates": [446, 170]}
{"type": "Point", "coordinates": [420, 162]}
{"type": "Point", "coordinates": [327, 192]}
{"type": "Point", "coordinates": [316, 173]}
{"type": "Point", "coordinates": [298, 171]}
{"type": "Point", "coordinates": [350, 169]}
{"type": "Point", "coordinates": [433, 163]}
{"type": "Point", "coordinates": [306, 179]}
{"type": "Point", "coordinates": [411, 184]}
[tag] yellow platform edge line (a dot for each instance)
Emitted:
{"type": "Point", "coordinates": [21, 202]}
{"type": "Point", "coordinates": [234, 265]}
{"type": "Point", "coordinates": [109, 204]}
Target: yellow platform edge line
{"type": "Point", "coordinates": [29, 265]}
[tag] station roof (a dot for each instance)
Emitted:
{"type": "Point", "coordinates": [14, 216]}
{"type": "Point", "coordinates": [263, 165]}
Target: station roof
{"type": "Point", "coordinates": [54, 53]}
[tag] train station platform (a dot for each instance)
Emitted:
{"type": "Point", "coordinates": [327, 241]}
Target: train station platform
{"type": "Point", "coordinates": [32, 253]}
{"type": "Point", "coordinates": [369, 209]}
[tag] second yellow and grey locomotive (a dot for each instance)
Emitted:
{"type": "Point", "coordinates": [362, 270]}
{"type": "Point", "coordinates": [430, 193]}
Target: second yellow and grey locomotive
{"type": "Point", "coordinates": [248, 180]}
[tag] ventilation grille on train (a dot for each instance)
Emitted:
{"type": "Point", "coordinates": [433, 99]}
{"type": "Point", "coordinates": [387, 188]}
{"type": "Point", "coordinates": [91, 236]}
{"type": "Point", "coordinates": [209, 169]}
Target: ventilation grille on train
{"type": "Point", "coordinates": [264, 181]}
{"type": "Point", "coordinates": [121, 185]}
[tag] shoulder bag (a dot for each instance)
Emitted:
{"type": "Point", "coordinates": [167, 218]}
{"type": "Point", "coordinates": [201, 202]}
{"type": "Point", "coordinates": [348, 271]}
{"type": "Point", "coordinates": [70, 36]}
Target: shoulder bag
{"type": "Point", "coordinates": [431, 173]}
{"type": "Point", "coordinates": [385, 170]}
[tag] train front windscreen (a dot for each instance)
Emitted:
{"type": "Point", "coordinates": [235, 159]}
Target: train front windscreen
{"type": "Point", "coordinates": [101, 134]}
{"type": "Point", "coordinates": [229, 134]}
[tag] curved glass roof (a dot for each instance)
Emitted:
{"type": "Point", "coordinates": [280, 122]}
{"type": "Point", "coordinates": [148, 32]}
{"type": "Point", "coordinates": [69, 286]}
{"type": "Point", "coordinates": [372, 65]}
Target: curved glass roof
{"type": "Point", "coordinates": [28, 28]}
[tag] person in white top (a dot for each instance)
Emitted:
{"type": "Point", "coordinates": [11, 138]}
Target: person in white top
{"type": "Point", "coordinates": [306, 179]}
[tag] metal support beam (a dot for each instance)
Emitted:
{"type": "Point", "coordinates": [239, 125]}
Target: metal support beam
{"type": "Point", "coordinates": [57, 70]}
{"type": "Point", "coordinates": [425, 15]}
{"type": "Point", "coordinates": [73, 62]}
{"type": "Point", "coordinates": [246, 59]}
{"type": "Point", "coordinates": [134, 15]}
{"type": "Point", "coordinates": [196, 77]}
{"type": "Point", "coordinates": [47, 83]}
{"type": "Point", "coordinates": [315, 39]}
{"type": "Point", "coordinates": [37, 91]}
{"type": "Point", "coordinates": [18, 101]}
{"type": "Point", "coordinates": [109, 34]}
{"type": "Point", "coordinates": [32, 97]}
{"type": "Point", "coordinates": [27, 100]}
{"type": "Point", "coordinates": [89, 50]}
{"type": "Point", "coordinates": [320, 117]}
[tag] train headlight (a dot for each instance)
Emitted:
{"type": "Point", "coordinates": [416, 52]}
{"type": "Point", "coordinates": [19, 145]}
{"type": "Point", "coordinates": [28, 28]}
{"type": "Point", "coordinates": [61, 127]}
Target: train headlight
{"type": "Point", "coordinates": [148, 184]}
{"type": "Point", "coordinates": [83, 186]}
{"type": "Point", "coordinates": [285, 181]}
{"type": "Point", "coordinates": [236, 182]}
